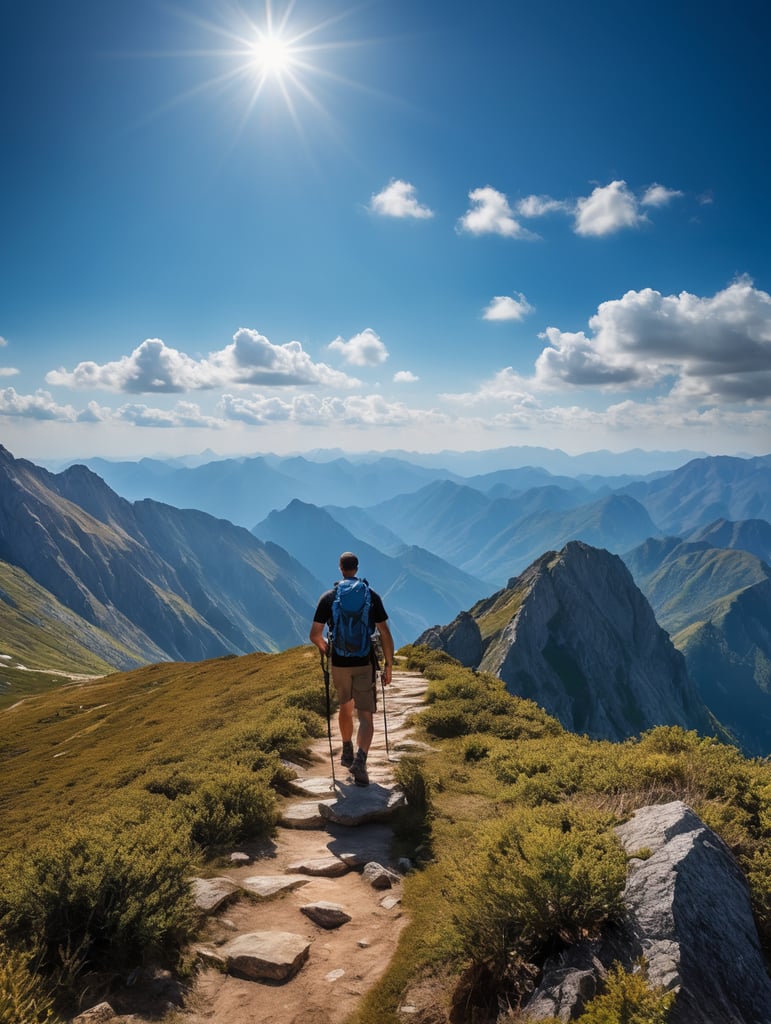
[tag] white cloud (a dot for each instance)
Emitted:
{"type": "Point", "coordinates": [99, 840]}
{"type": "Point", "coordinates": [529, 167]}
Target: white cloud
{"type": "Point", "coordinates": [184, 414]}
{"type": "Point", "coordinates": [363, 349]}
{"type": "Point", "coordinates": [700, 350]}
{"type": "Point", "coordinates": [40, 406]}
{"type": "Point", "coordinates": [252, 359]}
{"type": "Point", "coordinates": [312, 410]}
{"type": "Point", "coordinates": [608, 209]}
{"type": "Point", "coordinates": [506, 387]}
{"type": "Point", "coordinates": [155, 367]}
{"type": "Point", "coordinates": [505, 307]}
{"type": "Point", "coordinates": [405, 377]}
{"type": "Point", "coordinates": [538, 206]}
{"type": "Point", "coordinates": [491, 215]}
{"type": "Point", "coordinates": [659, 195]}
{"type": "Point", "coordinates": [398, 199]}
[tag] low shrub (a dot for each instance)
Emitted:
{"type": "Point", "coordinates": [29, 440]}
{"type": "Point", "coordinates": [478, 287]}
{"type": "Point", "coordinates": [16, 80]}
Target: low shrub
{"type": "Point", "coordinates": [24, 995]}
{"type": "Point", "coordinates": [629, 998]}
{"type": "Point", "coordinates": [235, 804]}
{"type": "Point", "coordinates": [538, 881]}
{"type": "Point", "coordinates": [100, 899]}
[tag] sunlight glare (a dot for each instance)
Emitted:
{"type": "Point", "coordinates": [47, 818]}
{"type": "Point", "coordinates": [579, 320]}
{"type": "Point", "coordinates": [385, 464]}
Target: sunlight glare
{"type": "Point", "coordinates": [272, 55]}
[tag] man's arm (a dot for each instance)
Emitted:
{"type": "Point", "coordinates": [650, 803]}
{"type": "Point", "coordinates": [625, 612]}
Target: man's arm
{"type": "Point", "coordinates": [317, 637]}
{"type": "Point", "coordinates": [387, 642]}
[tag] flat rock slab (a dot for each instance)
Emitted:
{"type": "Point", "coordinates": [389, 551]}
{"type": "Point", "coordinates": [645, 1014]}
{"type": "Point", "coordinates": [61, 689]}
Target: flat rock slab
{"type": "Point", "coordinates": [358, 805]}
{"type": "Point", "coordinates": [357, 847]}
{"type": "Point", "coordinates": [210, 894]}
{"type": "Point", "coordinates": [316, 786]}
{"type": "Point", "coordinates": [325, 867]}
{"type": "Point", "coordinates": [306, 814]}
{"type": "Point", "coordinates": [266, 887]}
{"type": "Point", "coordinates": [328, 915]}
{"type": "Point", "coordinates": [270, 956]}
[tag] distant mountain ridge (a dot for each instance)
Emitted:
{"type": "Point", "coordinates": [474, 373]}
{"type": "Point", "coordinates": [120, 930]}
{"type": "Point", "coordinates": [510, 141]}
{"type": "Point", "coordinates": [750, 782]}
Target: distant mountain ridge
{"type": "Point", "coordinates": [575, 634]}
{"type": "Point", "coordinates": [164, 583]}
{"type": "Point", "coordinates": [416, 585]}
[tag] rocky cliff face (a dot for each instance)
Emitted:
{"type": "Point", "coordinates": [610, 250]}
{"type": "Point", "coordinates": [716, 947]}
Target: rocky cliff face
{"type": "Point", "coordinates": [574, 634]}
{"type": "Point", "coordinates": [164, 582]}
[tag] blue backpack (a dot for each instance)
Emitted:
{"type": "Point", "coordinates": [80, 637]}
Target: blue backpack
{"type": "Point", "coordinates": [350, 634]}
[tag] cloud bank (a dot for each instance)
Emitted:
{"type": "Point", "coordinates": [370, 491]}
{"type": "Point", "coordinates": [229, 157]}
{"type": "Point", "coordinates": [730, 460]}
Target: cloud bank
{"type": "Point", "coordinates": [155, 367]}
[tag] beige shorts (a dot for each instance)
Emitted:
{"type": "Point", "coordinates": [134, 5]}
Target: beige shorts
{"type": "Point", "coordinates": [355, 684]}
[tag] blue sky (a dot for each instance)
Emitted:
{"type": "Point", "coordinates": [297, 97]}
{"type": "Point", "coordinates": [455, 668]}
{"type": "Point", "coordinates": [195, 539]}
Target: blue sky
{"type": "Point", "coordinates": [396, 224]}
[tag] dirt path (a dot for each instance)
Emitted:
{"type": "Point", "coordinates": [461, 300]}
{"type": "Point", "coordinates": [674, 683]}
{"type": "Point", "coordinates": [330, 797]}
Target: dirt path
{"type": "Point", "coordinates": [344, 962]}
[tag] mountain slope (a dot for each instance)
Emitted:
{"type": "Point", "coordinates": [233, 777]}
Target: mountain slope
{"type": "Point", "coordinates": [683, 579]}
{"type": "Point", "coordinates": [417, 587]}
{"type": "Point", "coordinates": [614, 522]}
{"type": "Point", "coordinates": [38, 631]}
{"type": "Point", "coordinates": [160, 581]}
{"type": "Point", "coordinates": [729, 658]}
{"type": "Point", "coordinates": [719, 487]}
{"type": "Point", "coordinates": [753, 535]}
{"type": "Point", "coordinates": [574, 634]}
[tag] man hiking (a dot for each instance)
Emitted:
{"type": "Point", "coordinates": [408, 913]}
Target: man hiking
{"type": "Point", "coordinates": [351, 611]}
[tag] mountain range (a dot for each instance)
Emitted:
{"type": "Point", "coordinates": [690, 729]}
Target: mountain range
{"type": "Point", "coordinates": [126, 580]}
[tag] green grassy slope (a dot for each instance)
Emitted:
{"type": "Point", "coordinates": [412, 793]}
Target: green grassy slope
{"type": "Point", "coordinates": [40, 639]}
{"type": "Point", "coordinates": [91, 747]}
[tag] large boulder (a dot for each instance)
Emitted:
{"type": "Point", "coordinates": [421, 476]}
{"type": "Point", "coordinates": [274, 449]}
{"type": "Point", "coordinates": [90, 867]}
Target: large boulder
{"type": "Point", "coordinates": [688, 913]}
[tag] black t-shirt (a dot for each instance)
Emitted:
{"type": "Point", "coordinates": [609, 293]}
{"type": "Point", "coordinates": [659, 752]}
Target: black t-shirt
{"type": "Point", "coordinates": [377, 613]}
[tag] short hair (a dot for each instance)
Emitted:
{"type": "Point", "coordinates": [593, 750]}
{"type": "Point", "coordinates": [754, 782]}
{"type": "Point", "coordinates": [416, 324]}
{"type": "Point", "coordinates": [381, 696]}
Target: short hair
{"type": "Point", "coordinates": [349, 561]}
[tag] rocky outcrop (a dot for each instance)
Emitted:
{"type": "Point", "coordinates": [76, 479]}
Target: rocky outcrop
{"type": "Point", "coordinates": [460, 639]}
{"type": "Point", "coordinates": [688, 914]}
{"type": "Point", "coordinates": [574, 634]}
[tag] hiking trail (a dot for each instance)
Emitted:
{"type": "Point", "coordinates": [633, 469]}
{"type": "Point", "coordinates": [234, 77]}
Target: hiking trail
{"type": "Point", "coordinates": [265, 907]}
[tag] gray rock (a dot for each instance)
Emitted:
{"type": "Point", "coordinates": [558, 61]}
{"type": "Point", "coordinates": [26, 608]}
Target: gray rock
{"type": "Point", "coordinates": [358, 805]}
{"type": "Point", "coordinates": [328, 915]}
{"type": "Point", "coordinates": [211, 957]}
{"type": "Point", "coordinates": [317, 786]}
{"type": "Point", "coordinates": [688, 913]}
{"type": "Point", "coordinates": [273, 956]}
{"type": "Point", "coordinates": [210, 894]}
{"type": "Point", "coordinates": [390, 902]}
{"type": "Point", "coordinates": [95, 1015]}
{"type": "Point", "coordinates": [380, 877]}
{"type": "Point", "coordinates": [461, 639]}
{"type": "Point", "coordinates": [305, 814]}
{"type": "Point", "coordinates": [239, 858]}
{"type": "Point", "coordinates": [265, 887]}
{"type": "Point", "coordinates": [326, 867]}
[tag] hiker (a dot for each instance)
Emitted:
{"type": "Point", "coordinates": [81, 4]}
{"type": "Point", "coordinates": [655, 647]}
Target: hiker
{"type": "Point", "coordinates": [353, 673]}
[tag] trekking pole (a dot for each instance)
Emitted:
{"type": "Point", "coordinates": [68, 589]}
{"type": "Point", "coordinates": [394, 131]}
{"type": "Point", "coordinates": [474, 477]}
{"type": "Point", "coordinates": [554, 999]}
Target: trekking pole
{"type": "Point", "coordinates": [325, 670]}
{"type": "Point", "coordinates": [385, 719]}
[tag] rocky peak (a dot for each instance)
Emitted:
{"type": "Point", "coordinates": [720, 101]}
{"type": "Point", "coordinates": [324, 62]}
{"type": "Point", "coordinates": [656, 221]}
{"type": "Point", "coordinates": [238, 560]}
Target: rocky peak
{"type": "Point", "coordinates": [574, 634]}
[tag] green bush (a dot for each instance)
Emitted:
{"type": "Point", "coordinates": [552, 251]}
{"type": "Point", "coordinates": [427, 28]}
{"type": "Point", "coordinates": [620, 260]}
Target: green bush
{"type": "Point", "coordinates": [101, 899]}
{"type": "Point", "coordinates": [234, 805]}
{"type": "Point", "coordinates": [538, 880]}
{"type": "Point", "coordinates": [629, 998]}
{"type": "Point", "coordinates": [24, 996]}
{"type": "Point", "coordinates": [413, 822]}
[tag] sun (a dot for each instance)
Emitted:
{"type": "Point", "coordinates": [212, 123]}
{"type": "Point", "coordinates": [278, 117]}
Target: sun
{"type": "Point", "coordinates": [272, 55]}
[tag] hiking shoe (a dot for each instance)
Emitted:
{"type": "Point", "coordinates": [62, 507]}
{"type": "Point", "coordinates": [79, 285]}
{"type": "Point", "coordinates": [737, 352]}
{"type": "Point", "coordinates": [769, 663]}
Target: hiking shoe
{"type": "Point", "coordinates": [359, 772]}
{"type": "Point", "coordinates": [346, 759]}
